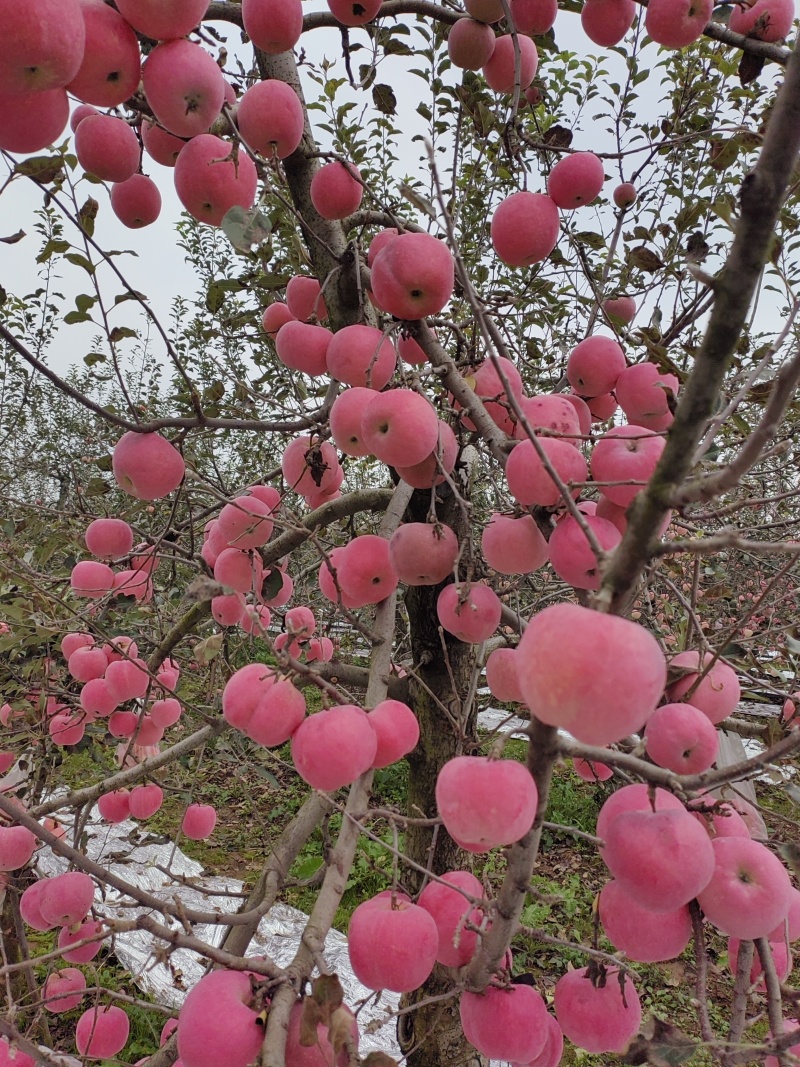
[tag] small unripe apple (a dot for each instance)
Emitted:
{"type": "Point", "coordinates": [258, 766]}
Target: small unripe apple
{"type": "Point", "coordinates": [625, 194]}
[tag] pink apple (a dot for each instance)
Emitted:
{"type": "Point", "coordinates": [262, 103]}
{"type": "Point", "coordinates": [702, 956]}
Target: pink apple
{"type": "Point", "coordinates": [594, 365]}
{"type": "Point", "coordinates": [397, 730]}
{"type": "Point", "coordinates": [597, 1015]}
{"type": "Point", "coordinates": [160, 145]}
{"type": "Point", "coordinates": [576, 180]}
{"type": "Point", "coordinates": [42, 45]}
{"type": "Point", "coordinates": [505, 1024]}
{"type": "Point", "coordinates": [501, 69]}
{"type": "Point", "coordinates": [681, 738]}
{"type": "Point", "coordinates": [202, 1042]}
{"type": "Point", "coordinates": [571, 555]}
{"type": "Point", "coordinates": [431, 471]}
{"type": "Point", "coordinates": [413, 276]}
{"type": "Point", "coordinates": [529, 481]}
{"type": "Point", "coordinates": [400, 427]}
{"type": "Point", "coordinates": [274, 26]}
{"type": "Point", "coordinates": [33, 121]}
{"type": "Point", "coordinates": [365, 571]}
{"type": "Point", "coordinates": [199, 821]}
{"type": "Point", "coordinates": [304, 298]}
{"type": "Point", "coordinates": [626, 454]}
{"type": "Point", "coordinates": [392, 944]}
{"type": "Point", "coordinates": [345, 420]}
{"type": "Point", "coordinates": [501, 675]}
{"type": "Point", "coordinates": [470, 611]}
{"type": "Point", "coordinates": [598, 676]}
{"type": "Point", "coordinates": [336, 191]}
{"type": "Point", "coordinates": [163, 19]}
{"type": "Point", "coordinates": [717, 695]}
{"type": "Point", "coordinates": [513, 546]}
{"type": "Point", "coordinates": [749, 892]}
{"type": "Point", "coordinates": [108, 539]}
{"type": "Point", "coordinates": [767, 20]}
{"type": "Point", "coordinates": [362, 356]}
{"type": "Point", "coordinates": [620, 309]}
{"type": "Point", "coordinates": [270, 118]}
{"type": "Point", "coordinates": [211, 177]}
{"type": "Point", "coordinates": [677, 23]}
{"type": "Point", "coordinates": [625, 194]}
{"type": "Point", "coordinates": [423, 553]}
{"type": "Point", "coordinates": [525, 228]}
{"type": "Point", "coordinates": [111, 65]}
{"type": "Point", "coordinates": [470, 44]}
{"type": "Point", "coordinates": [334, 747]}
{"type": "Point", "coordinates": [485, 802]}
{"type": "Point", "coordinates": [534, 16]}
{"type": "Point", "coordinates": [136, 202]}
{"type": "Point", "coordinates": [63, 990]}
{"type": "Point", "coordinates": [146, 465]}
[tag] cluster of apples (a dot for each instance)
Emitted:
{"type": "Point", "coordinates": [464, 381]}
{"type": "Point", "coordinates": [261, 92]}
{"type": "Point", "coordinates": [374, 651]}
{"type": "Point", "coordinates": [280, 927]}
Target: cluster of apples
{"type": "Point", "coordinates": [112, 675]}
{"type": "Point", "coordinates": [330, 749]}
{"type": "Point", "coordinates": [112, 539]}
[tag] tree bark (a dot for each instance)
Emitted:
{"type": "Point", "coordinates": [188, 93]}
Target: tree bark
{"type": "Point", "coordinates": [431, 1035]}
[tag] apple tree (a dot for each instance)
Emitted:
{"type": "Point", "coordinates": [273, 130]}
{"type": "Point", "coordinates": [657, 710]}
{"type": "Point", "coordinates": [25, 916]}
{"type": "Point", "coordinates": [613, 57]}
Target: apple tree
{"type": "Point", "coordinates": [490, 367]}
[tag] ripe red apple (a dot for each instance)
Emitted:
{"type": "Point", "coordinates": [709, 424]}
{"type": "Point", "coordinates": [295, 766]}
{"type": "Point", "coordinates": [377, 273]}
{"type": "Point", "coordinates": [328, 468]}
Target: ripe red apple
{"type": "Point", "coordinates": [244, 690]}
{"type": "Point", "coordinates": [308, 466]}
{"type": "Point", "coordinates": [161, 146]}
{"type": "Point", "coordinates": [572, 556]}
{"type": "Point", "coordinates": [202, 1042]}
{"type": "Point", "coordinates": [485, 802]}
{"type": "Point", "coordinates": [749, 892]}
{"type": "Point", "coordinates": [334, 747]}
{"type": "Point", "coordinates": [500, 69]}
{"type": "Point", "coordinates": [111, 65]}
{"type": "Point", "coordinates": [392, 945]}
{"type": "Point", "coordinates": [136, 202]}
{"type": "Point", "coordinates": [597, 1015]}
{"type": "Point", "coordinates": [277, 314]}
{"type": "Point", "coordinates": [576, 180]}
{"type": "Point", "coordinates": [277, 714]}
{"type": "Point", "coordinates": [114, 807]}
{"type": "Point", "coordinates": [304, 299]}
{"type": "Point", "coordinates": [717, 696]}
{"type": "Point", "coordinates": [400, 427]}
{"type": "Point", "coordinates": [163, 20]}
{"type": "Point", "coordinates": [525, 228]}
{"type": "Point", "coordinates": [598, 676]}
{"type": "Point", "coordinates": [529, 482]}
{"type": "Point", "coordinates": [335, 190]}
{"type": "Point", "coordinates": [304, 347]}
{"type": "Point", "coordinates": [501, 675]}
{"type": "Point", "coordinates": [681, 738]}
{"type": "Point", "coordinates": [626, 454]}
{"type": "Point", "coordinates": [620, 310]}
{"type": "Point", "coordinates": [505, 1024]}
{"type": "Point", "coordinates": [605, 22]}
{"type": "Point", "coordinates": [550, 411]}
{"type": "Point", "coordinates": [592, 772]}
{"type": "Point", "coordinates": [199, 821]}
{"type": "Point", "coordinates": [274, 26]}
{"type": "Point", "coordinates": [397, 730]}
{"type": "Point", "coordinates": [643, 393]}
{"type": "Point", "coordinates": [423, 553]}
{"type": "Point", "coordinates": [365, 571]}
{"type": "Point", "coordinates": [534, 16]}
{"type": "Point", "coordinates": [91, 579]}
{"type": "Point", "coordinates": [470, 611]}
{"type": "Point", "coordinates": [677, 23]}
{"type": "Point", "coordinates": [146, 465]}
{"type": "Point", "coordinates": [413, 276]}
{"type": "Point", "coordinates": [450, 910]}
{"type": "Point", "coordinates": [66, 898]}
{"type": "Point", "coordinates": [42, 45]}
{"type": "Point", "coordinates": [32, 121]}
{"type": "Point", "coordinates": [184, 87]}
{"type": "Point", "coordinates": [145, 800]}
{"type": "Point", "coordinates": [470, 44]}
{"type": "Point", "coordinates": [212, 176]}
{"type": "Point", "coordinates": [270, 118]}
{"type": "Point", "coordinates": [625, 194]}
{"type": "Point", "coordinates": [594, 365]}
{"type": "Point", "coordinates": [663, 859]}
{"type": "Point", "coordinates": [345, 420]}
{"type": "Point", "coordinates": [108, 539]}
{"type": "Point", "coordinates": [63, 990]}
{"type": "Point", "coordinates": [429, 472]}
{"type": "Point", "coordinates": [513, 546]}
{"type": "Point", "coordinates": [16, 847]}
{"type": "Point", "coordinates": [362, 356]}
{"type": "Point", "coordinates": [767, 20]}
{"type": "Point", "coordinates": [84, 953]}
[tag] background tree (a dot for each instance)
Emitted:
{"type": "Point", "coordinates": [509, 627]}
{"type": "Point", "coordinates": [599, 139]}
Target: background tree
{"type": "Point", "coordinates": [662, 176]}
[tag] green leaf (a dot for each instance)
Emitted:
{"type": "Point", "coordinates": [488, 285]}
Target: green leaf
{"type": "Point", "coordinates": [80, 261]}
{"type": "Point", "coordinates": [592, 240]}
{"type": "Point", "coordinates": [96, 487]}
{"type": "Point", "coordinates": [384, 99]}
{"type": "Point", "coordinates": [246, 228]}
{"type": "Point", "coordinates": [90, 360]}
{"type": "Point", "coordinates": [87, 215]}
{"type": "Point", "coordinates": [76, 316]}
{"type": "Point", "coordinates": [419, 202]}
{"type": "Point", "coordinates": [119, 332]}
{"type": "Point", "coordinates": [52, 248]}
{"type": "Point", "coordinates": [43, 169]}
